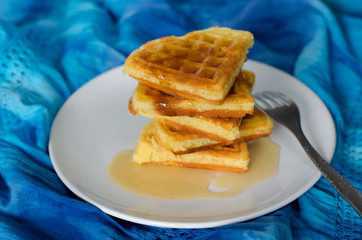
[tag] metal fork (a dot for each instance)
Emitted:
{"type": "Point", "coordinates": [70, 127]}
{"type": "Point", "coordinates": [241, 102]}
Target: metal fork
{"type": "Point", "coordinates": [285, 111]}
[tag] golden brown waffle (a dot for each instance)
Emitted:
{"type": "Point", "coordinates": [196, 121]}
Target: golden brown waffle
{"type": "Point", "coordinates": [219, 129]}
{"type": "Point", "coordinates": [150, 102]}
{"type": "Point", "coordinates": [252, 127]}
{"type": "Point", "coordinates": [202, 65]}
{"type": "Point", "coordinates": [231, 158]}
{"type": "Point", "coordinates": [255, 126]}
{"type": "Point", "coordinates": [180, 141]}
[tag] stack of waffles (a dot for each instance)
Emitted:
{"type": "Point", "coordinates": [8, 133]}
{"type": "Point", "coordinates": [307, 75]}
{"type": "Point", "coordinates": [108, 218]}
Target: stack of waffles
{"type": "Point", "coordinates": [199, 97]}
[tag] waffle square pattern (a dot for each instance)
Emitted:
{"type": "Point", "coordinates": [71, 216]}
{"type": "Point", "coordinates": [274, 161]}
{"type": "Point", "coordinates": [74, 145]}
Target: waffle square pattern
{"type": "Point", "coordinates": [202, 65]}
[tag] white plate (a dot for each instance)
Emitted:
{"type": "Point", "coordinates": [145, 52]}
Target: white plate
{"type": "Point", "coordinates": [94, 124]}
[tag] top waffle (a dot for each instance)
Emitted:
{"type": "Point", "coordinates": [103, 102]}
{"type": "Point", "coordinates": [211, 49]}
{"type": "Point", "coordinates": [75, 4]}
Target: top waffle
{"type": "Point", "coordinates": [202, 65]}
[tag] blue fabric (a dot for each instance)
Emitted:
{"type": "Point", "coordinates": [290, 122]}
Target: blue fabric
{"type": "Point", "coordinates": [48, 49]}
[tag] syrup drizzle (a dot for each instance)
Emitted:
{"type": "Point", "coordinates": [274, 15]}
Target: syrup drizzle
{"type": "Point", "coordinates": [169, 182]}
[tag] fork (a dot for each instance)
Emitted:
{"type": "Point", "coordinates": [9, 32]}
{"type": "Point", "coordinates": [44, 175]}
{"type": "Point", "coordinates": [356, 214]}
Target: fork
{"type": "Point", "coordinates": [282, 109]}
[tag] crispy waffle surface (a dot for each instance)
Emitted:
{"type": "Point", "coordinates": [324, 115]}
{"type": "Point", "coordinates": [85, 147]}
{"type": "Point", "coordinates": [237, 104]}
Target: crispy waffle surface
{"type": "Point", "coordinates": [252, 127]}
{"type": "Point", "coordinates": [201, 65]}
{"type": "Point", "coordinates": [150, 102]}
{"type": "Point", "coordinates": [234, 157]}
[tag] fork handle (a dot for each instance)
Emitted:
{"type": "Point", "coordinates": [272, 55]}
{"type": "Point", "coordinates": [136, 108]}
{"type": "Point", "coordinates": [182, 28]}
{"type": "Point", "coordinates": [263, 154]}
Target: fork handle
{"type": "Point", "coordinates": [342, 185]}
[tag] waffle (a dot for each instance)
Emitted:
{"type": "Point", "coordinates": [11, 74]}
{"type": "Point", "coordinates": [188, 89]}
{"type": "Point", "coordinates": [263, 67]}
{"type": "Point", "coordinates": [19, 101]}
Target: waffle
{"type": "Point", "coordinates": [231, 158]}
{"type": "Point", "coordinates": [255, 126]}
{"type": "Point", "coordinates": [252, 127]}
{"type": "Point", "coordinates": [219, 129]}
{"type": "Point", "coordinates": [181, 141]}
{"type": "Point", "coordinates": [202, 65]}
{"type": "Point", "coordinates": [150, 102]}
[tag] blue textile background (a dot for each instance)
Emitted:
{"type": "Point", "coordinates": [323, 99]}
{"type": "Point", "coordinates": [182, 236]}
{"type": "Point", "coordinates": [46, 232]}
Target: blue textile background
{"type": "Point", "coordinates": [48, 49]}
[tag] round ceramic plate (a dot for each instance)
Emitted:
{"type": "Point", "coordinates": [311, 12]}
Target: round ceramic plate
{"type": "Point", "coordinates": [95, 124]}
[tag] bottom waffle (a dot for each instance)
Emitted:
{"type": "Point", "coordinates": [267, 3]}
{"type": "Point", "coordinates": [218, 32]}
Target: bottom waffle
{"type": "Point", "coordinates": [252, 127]}
{"type": "Point", "coordinates": [234, 157]}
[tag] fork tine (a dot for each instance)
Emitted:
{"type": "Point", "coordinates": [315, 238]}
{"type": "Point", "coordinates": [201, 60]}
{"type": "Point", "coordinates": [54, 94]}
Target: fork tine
{"type": "Point", "coordinates": [284, 98]}
{"type": "Point", "coordinates": [272, 98]}
{"type": "Point", "coordinates": [262, 102]}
